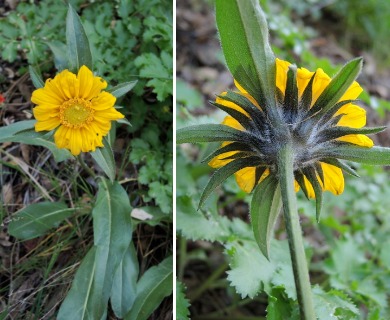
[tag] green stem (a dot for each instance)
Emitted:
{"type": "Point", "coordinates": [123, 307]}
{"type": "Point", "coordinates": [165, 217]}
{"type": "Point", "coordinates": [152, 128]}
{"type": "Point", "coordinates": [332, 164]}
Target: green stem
{"type": "Point", "coordinates": [294, 233]}
{"type": "Point", "coordinates": [85, 167]}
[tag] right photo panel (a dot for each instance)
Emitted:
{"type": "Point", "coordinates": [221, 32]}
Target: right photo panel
{"type": "Point", "coordinates": [282, 188]}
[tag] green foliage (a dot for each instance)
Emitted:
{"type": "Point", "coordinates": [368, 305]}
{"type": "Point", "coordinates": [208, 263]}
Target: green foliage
{"type": "Point", "coordinates": [155, 284]}
{"type": "Point", "coordinates": [182, 304]}
{"type": "Point", "coordinates": [36, 219]}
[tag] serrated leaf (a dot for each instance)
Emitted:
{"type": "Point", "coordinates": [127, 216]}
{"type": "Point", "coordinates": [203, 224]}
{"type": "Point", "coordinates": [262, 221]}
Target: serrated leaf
{"type": "Point", "coordinates": [278, 307]}
{"type": "Point", "coordinates": [121, 89]}
{"type": "Point", "coordinates": [36, 77]}
{"type": "Point", "coordinates": [76, 305]}
{"type": "Point", "coordinates": [59, 51]}
{"type": "Point", "coordinates": [155, 284]}
{"type": "Point", "coordinates": [36, 219]}
{"type": "Point", "coordinates": [338, 86]}
{"type": "Point", "coordinates": [244, 37]}
{"type": "Point", "coordinates": [250, 271]}
{"type": "Point", "coordinates": [79, 53]}
{"type": "Point", "coordinates": [124, 285]}
{"type": "Point", "coordinates": [265, 208]}
{"type": "Point", "coordinates": [104, 158]}
{"type": "Point", "coordinates": [182, 304]}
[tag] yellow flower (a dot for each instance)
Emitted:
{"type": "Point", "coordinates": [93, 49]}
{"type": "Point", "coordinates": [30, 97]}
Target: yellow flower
{"type": "Point", "coordinates": [77, 107]}
{"type": "Point", "coordinates": [349, 115]}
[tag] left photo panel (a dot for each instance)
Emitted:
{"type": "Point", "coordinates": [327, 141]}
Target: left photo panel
{"type": "Point", "coordinates": [86, 160]}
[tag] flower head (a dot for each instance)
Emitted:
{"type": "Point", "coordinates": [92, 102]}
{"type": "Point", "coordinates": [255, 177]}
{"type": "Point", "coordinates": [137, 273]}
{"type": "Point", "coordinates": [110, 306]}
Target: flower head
{"type": "Point", "coordinates": [313, 131]}
{"type": "Point", "coordinates": [78, 107]}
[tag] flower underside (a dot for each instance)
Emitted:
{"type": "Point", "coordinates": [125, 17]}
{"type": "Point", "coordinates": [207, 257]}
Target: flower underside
{"type": "Point", "coordinates": [78, 107]}
{"type": "Point", "coordinates": [256, 134]}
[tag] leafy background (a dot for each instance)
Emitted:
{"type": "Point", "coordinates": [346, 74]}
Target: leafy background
{"type": "Point", "coordinates": [221, 273]}
{"type": "Point", "coordinates": [130, 40]}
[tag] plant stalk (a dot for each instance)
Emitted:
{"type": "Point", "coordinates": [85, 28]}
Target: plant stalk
{"type": "Point", "coordinates": [294, 232]}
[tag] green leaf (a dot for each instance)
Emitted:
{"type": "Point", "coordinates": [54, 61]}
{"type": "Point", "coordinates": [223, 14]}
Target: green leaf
{"type": "Point", "coordinates": [79, 53]}
{"type": "Point", "coordinates": [265, 208]}
{"type": "Point", "coordinates": [32, 137]}
{"type": "Point", "coordinates": [278, 306]}
{"type": "Point", "coordinates": [208, 133]}
{"type": "Point", "coordinates": [76, 305]}
{"type": "Point", "coordinates": [155, 284]}
{"type": "Point", "coordinates": [338, 131]}
{"type": "Point", "coordinates": [225, 172]}
{"type": "Point", "coordinates": [374, 155]}
{"type": "Point", "coordinates": [310, 174]}
{"type": "Point", "coordinates": [244, 37]}
{"type": "Point", "coordinates": [123, 291]}
{"type": "Point", "coordinates": [36, 219]}
{"type": "Point", "coordinates": [8, 132]}
{"type": "Point", "coordinates": [122, 88]}
{"type": "Point", "coordinates": [59, 51]}
{"type": "Point", "coordinates": [182, 304]}
{"type": "Point", "coordinates": [36, 77]}
{"type": "Point", "coordinates": [104, 158]}
{"type": "Point", "coordinates": [338, 86]}
{"type": "Point", "coordinates": [112, 236]}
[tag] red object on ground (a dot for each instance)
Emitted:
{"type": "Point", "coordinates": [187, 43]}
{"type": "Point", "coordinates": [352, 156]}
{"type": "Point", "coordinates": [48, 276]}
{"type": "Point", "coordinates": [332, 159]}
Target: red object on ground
{"type": "Point", "coordinates": [2, 99]}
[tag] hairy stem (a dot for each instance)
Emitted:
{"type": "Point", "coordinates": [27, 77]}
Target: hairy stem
{"type": "Point", "coordinates": [294, 232]}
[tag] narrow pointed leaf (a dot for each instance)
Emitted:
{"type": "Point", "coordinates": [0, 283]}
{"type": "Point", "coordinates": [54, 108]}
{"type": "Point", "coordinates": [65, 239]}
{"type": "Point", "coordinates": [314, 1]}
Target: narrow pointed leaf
{"type": "Point", "coordinates": [36, 77]}
{"type": "Point", "coordinates": [104, 157]}
{"type": "Point", "coordinates": [122, 88]}
{"type": "Point", "coordinates": [246, 122]}
{"type": "Point", "coordinates": [36, 219]}
{"type": "Point", "coordinates": [299, 178]}
{"type": "Point", "coordinates": [76, 305]}
{"type": "Point", "coordinates": [307, 95]}
{"type": "Point", "coordinates": [374, 155]}
{"type": "Point", "coordinates": [225, 172]}
{"type": "Point", "coordinates": [265, 208]}
{"type": "Point", "coordinates": [208, 133]}
{"type": "Point", "coordinates": [155, 284]}
{"type": "Point", "coordinates": [244, 37]}
{"type": "Point", "coordinates": [112, 236]}
{"type": "Point", "coordinates": [8, 132]}
{"type": "Point", "coordinates": [291, 94]}
{"type": "Point", "coordinates": [338, 86]}
{"type": "Point", "coordinates": [338, 131]}
{"type": "Point", "coordinates": [341, 165]}
{"type": "Point", "coordinates": [59, 51]}
{"type": "Point", "coordinates": [124, 286]}
{"type": "Point", "coordinates": [234, 146]}
{"type": "Point", "coordinates": [312, 177]}
{"type": "Point", "coordinates": [79, 52]}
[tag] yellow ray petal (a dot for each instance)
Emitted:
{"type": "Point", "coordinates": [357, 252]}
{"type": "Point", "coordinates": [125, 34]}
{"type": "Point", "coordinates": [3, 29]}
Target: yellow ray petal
{"type": "Point", "coordinates": [104, 100]}
{"type": "Point", "coordinates": [303, 78]}
{"type": "Point", "coordinates": [333, 179]}
{"type": "Point", "coordinates": [354, 116]}
{"type": "Point", "coordinates": [281, 74]}
{"type": "Point", "coordinates": [352, 92]}
{"type": "Point", "coordinates": [85, 78]}
{"type": "Point", "coordinates": [47, 125]}
{"type": "Point", "coordinates": [320, 82]}
{"type": "Point", "coordinates": [358, 139]}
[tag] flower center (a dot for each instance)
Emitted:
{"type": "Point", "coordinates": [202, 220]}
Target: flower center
{"type": "Point", "coordinates": [76, 113]}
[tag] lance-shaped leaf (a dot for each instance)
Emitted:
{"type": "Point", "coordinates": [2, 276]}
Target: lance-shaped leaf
{"type": "Point", "coordinates": [36, 219]}
{"type": "Point", "coordinates": [122, 88]}
{"type": "Point", "coordinates": [291, 94]}
{"type": "Point", "coordinates": [310, 174]}
{"type": "Point", "coordinates": [374, 155]}
{"type": "Point", "coordinates": [36, 77]}
{"type": "Point", "coordinates": [265, 208]}
{"type": "Point", "coordinates": [246, 122]}
{"type": "Point", "coordinates": [8, 132]}
{"type": "Point", "coordinates": [32, 137]}
{"type": "Point", "coordinates": [104, 157]}
{"type": "Point", "coordinates": [338, 86]}
{"type": "Point", "coordinates": [225, 172]}
{"type": "Point", "coordinates": [79, 53]}
{"type": "Point", "coordinates": [338, 131]}
{"type": "Point", "coordinates": [59, 51]}
{"type": "Point", "coordinates": [244, 37]}
{"type": "Point", "coordinates": [76, 305]}
{"type": "Point", "coordinates": [112, 237]}
{"type": "Point", "coordinates": [234, 146]}
{"type": "Point", "coordinates": [155, 284]}
{"type": "Point", "coordinates": [124, 286]}
{"type": "Point", "coordinates": [209, 133]}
